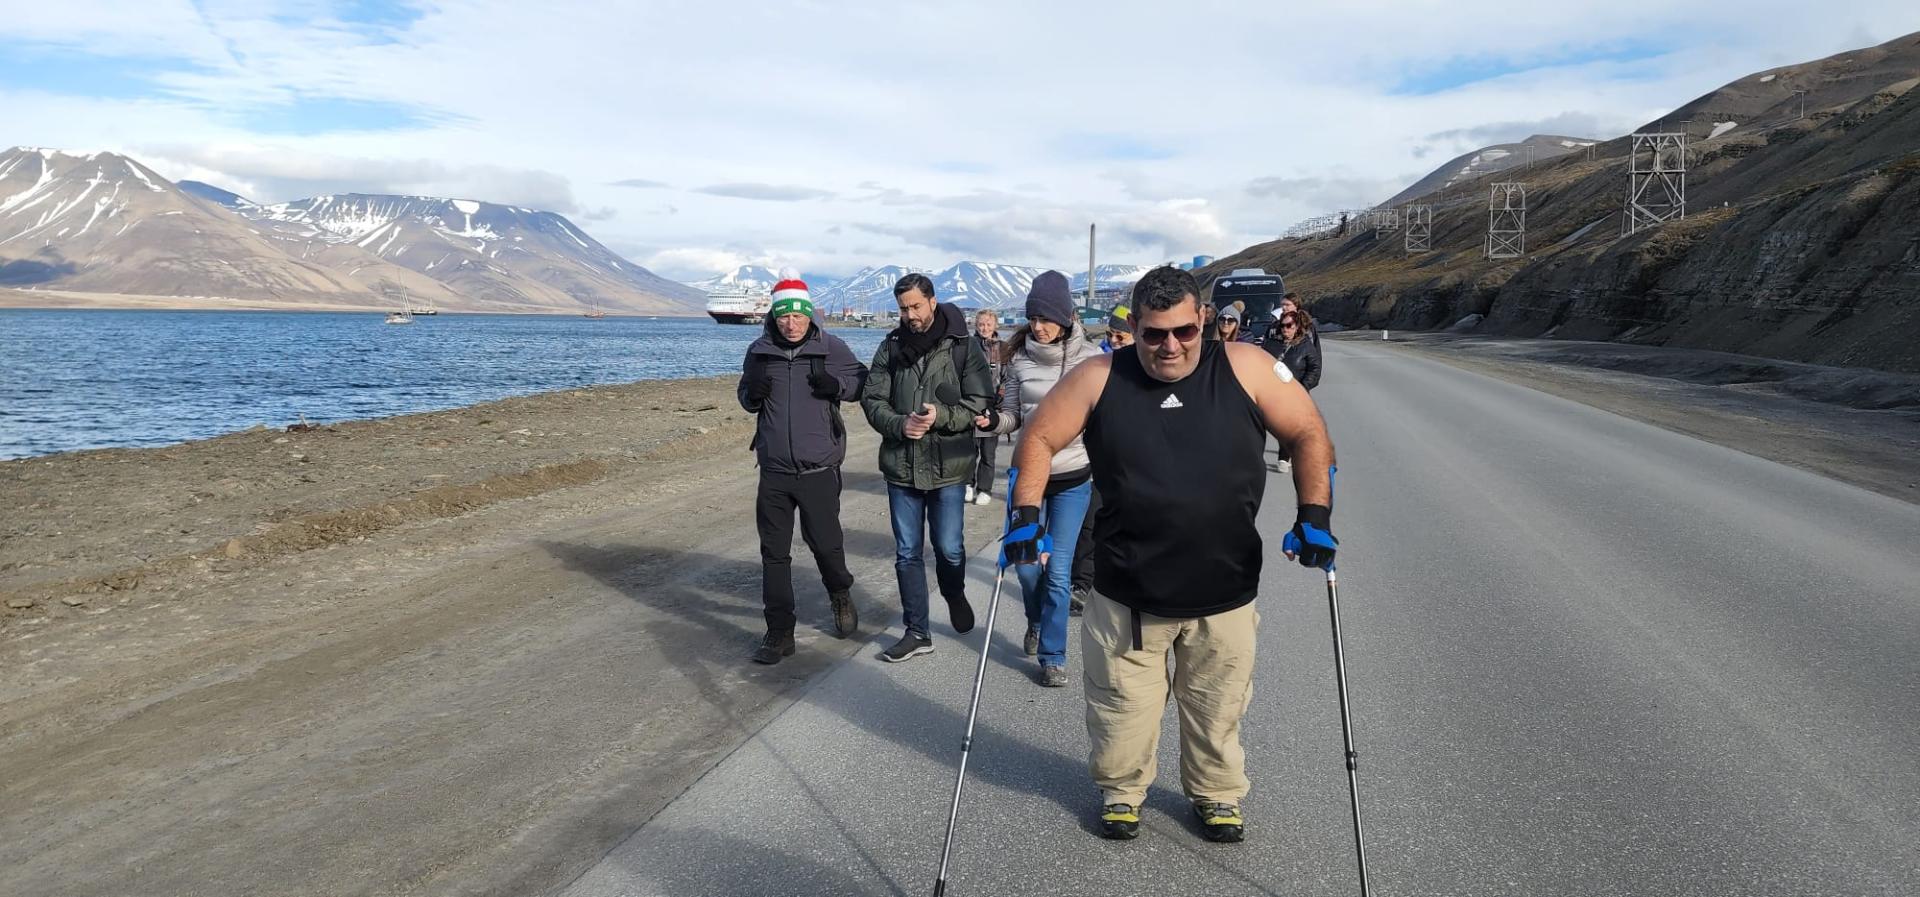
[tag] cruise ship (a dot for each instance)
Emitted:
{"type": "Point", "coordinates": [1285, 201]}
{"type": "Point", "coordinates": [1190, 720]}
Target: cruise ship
{"type": "Point", "coordinates": [734, 305]}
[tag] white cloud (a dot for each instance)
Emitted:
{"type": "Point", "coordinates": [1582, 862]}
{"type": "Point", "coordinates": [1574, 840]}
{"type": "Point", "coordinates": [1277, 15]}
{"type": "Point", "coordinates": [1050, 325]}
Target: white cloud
{"type": "Point", "coordinates": [910, 157]}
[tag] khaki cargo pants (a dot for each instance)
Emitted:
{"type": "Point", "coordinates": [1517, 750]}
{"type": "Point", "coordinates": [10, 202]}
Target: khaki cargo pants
{"type": "Point", "coordinates": [1211, 680]}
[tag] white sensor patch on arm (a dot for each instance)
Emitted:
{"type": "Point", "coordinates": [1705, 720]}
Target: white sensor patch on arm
{"type": "Point", "coordinates": [1281, 370]}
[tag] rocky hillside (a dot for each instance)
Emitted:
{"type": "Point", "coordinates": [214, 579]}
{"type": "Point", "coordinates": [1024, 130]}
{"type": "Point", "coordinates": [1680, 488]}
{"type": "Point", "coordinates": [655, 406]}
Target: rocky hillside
{"type": "Point", "coordinates": [1801, 239]}
{"type": "Point", "coordinates": [1489, 159]}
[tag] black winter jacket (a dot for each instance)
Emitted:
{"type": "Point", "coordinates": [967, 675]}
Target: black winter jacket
{"type": "Point", "coordinates": [1303, 359]}
{"type": "Point", "coordinates": [798, 432]}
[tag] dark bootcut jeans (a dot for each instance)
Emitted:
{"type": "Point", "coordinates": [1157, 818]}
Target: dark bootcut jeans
{"type": "Point", "coordinates": [817, 497]}
{"type": "Point", "coordinates": [916, 512]}
{"type": "Point", "coordinates": [983, 464]}
{"type": "Point", "coordinates": [1083, 548]}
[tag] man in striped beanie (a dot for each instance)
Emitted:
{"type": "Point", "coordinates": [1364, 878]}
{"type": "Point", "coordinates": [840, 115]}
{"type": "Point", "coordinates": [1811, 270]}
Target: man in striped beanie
{"type": "Point", "coordinates": [793, 381]}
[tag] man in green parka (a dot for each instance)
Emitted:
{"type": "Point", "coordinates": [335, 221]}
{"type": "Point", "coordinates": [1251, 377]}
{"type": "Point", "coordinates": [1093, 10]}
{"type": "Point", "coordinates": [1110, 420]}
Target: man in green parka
{"type": "Point", "coordinates": [928, 382]}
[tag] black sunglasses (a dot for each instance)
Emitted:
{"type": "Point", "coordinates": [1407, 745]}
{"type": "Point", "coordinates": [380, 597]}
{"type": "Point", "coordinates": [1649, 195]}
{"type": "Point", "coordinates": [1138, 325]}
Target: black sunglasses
{"type": "Point", "coordinates": [1154, 336]}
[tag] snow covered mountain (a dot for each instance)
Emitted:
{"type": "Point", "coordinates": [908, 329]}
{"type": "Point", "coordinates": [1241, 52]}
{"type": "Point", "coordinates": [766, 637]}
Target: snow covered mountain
{"type": "Point", "coordinates": [215, 195]}
{"type": "Point", "coordinates": [985, 285]}
{"type": "Point", "coordinates": [1110, 275]}
{"type": "Point", "coordinates": [970, 284]}
{"type": "Point", "coordinates": [868, 289]}
{"type": "Point", "coordinates": [747, 277]}
{"type": "Point", "coordinates": [490, 253]}
{"type": "Point", "coordinates": [1487, 160]}
{"type": "Point", "coordinates": [103, 223]}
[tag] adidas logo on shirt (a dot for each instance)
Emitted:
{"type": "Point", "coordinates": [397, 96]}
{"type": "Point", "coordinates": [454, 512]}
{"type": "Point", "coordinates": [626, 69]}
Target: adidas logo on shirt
{"type": "Point", "coordinates": [1171, 401]}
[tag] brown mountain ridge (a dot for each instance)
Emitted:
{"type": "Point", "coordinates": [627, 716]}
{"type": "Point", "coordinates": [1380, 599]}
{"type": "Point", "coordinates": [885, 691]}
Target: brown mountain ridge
{"type": "Point", "coordinates": [1801, 239]}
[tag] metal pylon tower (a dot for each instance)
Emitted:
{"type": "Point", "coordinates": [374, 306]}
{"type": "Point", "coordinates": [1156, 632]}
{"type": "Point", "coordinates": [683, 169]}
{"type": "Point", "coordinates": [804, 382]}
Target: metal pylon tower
{"type": "Point", "coordinates": [1656, 180]}
{"type": "Point", "coordinates": [1419, 228]}
{"type": "Point", "coordinates": [1507, 221]}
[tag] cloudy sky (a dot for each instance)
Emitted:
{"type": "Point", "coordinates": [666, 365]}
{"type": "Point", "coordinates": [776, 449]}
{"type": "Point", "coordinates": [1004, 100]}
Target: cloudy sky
{"type": "Point", "coordinates": [695, 136]}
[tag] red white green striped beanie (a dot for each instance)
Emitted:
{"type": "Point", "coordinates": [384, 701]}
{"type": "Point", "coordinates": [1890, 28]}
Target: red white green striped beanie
{"type": "Point", "coordinates": [790, 295]}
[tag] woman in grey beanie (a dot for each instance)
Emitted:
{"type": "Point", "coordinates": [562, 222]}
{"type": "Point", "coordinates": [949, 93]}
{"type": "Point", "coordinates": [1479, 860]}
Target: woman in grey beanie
{"type": "Point", "coordinates": [1038, 357]}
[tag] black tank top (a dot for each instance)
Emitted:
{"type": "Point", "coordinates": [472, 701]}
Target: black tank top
{"type": "Point", "coordinates": [1180, 475]}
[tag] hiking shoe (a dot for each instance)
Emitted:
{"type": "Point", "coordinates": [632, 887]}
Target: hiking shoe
{"type": "Point", "coordinates": [1031, 644]}
{"type": "Point", "coordinates": [1077, 605]}
{"type": "Point", "coordinates": [1120, 822]}
{"type": "Point", "coordinates": [1220, 822]}
{"type": "Point", "coordinates": [773, 647]}
{"type": "Point", "coordinates": [1053, 675]}
{"type": "Point", "coordinates": [908, 647]}
{"type": "Point", "coordinates": [845, 618]}
{"type": "Point", "coordinates": [960, 612]}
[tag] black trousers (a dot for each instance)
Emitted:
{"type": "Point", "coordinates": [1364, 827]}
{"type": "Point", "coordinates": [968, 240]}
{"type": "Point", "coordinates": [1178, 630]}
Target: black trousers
{"type": "Point", "coordinates": [1083, 552]}
{"type": "Point", "coordinates": [983, 465]}
{"type": "Point", "coordinates": [816, 496]}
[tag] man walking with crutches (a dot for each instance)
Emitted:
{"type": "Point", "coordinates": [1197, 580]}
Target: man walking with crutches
{"type": "Point", "coordinates": [1174, 429]}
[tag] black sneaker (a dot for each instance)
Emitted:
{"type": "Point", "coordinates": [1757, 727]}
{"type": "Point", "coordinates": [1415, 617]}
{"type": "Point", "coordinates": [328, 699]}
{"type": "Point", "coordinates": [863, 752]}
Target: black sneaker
{"type": "Point", "coordinates": [1031, 644]}
{"type": "Point", "coordinates": [1077, 605]}
{"type": "Point", "coordinates": [846, 619]}
{"type": "Point", "coordinates": [908, 647]}
{"type": "Point", "coordinates": [773, 647]}
{"type": "Point", "coordinates": [1120, 822]}
{"type": "Point", "coordinates": [1220, 822]}
{"type": "Point", "coordinates": [960, 612]}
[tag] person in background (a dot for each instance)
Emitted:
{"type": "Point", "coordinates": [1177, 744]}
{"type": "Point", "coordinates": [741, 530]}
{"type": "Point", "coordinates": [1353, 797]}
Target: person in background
{"type": "Point", "coordinates": [1119, 330]}
{"type": "Point", "coordinates": [927, 386]}
{"type": "Point", "coordinates": [1289, 302]}
{"type": "Point", "coordinates": [1300, 351]}
{"type": "Point", "coordinates": [1299, 355]}
{"type": "Point", "coordinates": [1227, 327]}
{"type": "Point", "coordinates": [1119, 336]}
{"type": "Point", "coordinates": [986, 325]}
{"type": "Point", "coordinates": [1040, 354]}
{"type": "Point", "coordinates": [793, 380]}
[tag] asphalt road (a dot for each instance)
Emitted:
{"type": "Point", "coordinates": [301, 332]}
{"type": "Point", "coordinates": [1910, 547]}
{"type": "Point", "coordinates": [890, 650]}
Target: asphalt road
{"type": "Point", "coordinates": [1588, 656]}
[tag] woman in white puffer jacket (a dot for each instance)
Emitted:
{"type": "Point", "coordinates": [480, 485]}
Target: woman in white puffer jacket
{"type": "Point", "coordinates": [1038, 356]}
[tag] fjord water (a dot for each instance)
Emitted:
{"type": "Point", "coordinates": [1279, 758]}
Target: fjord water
{"type": "Point", "coordinates": [79, 379]}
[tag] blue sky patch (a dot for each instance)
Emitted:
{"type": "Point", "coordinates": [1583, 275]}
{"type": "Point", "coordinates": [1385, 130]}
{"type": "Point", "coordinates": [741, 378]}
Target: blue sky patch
{"type": "Point", "coordinates": [377, 20]}
{"type": "Point", "coordinates": [1460, 71]}
{"type": "Point", "coordinates": [59, 70]}
{"type": "Point", "coordinates": [308, 115]}
{"type": "Point", "coordinates": [1111, 148]}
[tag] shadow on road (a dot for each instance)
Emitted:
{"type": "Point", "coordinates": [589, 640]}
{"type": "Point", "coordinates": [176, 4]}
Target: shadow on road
{"type": "Point", "coordinates": [714, 608]}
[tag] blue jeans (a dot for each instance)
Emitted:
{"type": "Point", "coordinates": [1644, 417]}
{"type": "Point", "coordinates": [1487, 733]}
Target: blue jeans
{"type": "Point", "coordinates": [914, 511]}
{"type": "Point", "coordinates": [1049, 588]}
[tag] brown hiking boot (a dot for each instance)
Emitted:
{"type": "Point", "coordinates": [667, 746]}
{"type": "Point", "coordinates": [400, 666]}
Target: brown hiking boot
{"type": "Point", "coordinates": [846, 619]}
